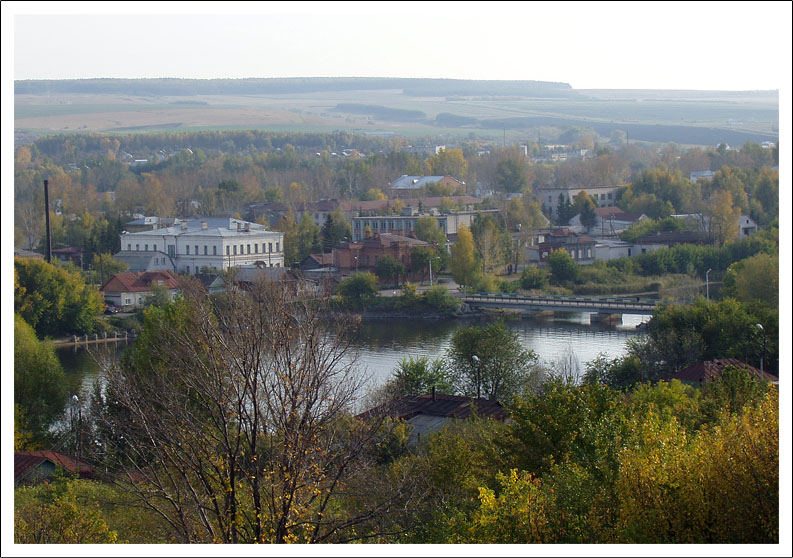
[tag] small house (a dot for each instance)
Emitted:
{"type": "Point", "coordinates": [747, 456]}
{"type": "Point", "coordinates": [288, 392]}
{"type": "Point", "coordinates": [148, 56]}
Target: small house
{"type": "Point", "coordinates": [429, 413]}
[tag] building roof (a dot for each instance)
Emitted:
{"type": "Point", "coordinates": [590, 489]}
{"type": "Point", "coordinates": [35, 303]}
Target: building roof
{"type": "Point", "coordinates": [26, 461]}
{"type": "Point", "coordinates": [406, 182]}
{"type": "Point", "coordinates": [142, 260]}
{"type": "Point", "coordinates": [139, 282]}
{"type": "Point", "coordinates": [21, 253]}
{"type": "Point", "coordinates": [674, 237]}
{"type": "Point", "coordinates": [438, 405]}
{"type": "Point", "coordinates": [711, 369]}
{"type": "Point", "coordinates": [386, 239]}
{"type": "Point", "coordinates": [206, 226]}
{"type": "Point", "coordinates": [430, 201]}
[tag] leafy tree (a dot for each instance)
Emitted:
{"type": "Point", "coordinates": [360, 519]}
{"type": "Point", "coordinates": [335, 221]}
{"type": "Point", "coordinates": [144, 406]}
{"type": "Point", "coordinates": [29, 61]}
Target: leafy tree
{"type": "Point", "coordinates": [335, 230]}
{"type": "Point", "coordinates": [464, 267]}
{"type": "Point", "coordinates": [40, 390]}
{"type": "Point", "coordinates": [492, 241]}
{"type": "Point", "coordinates": [511, 175]}
{"type": "Point", "coordinates": [421, 257]}
{"type": "Point", "coordinates": [104, 266]}
{"type": "Point", "coordinates": [720, 486]}
{"type": "Point", "coordinates": [373, 194]}
{"type": "Point", "coordinates": [53, 300]}
{"type": "Point", "coordinates": [448, 162]}
{"type": "Point", "coordinates": [724, 216]}
{"type": "Point", "coordinates": [428, 230]}
{"type": "Point", "coordinates": [533, 277]}
{"type": "Point", "coordinates": [564, 210]}
{"type": "Point", "coordinates": [239, 426]}
{"type": "Point", "coordinates": [439, 299]}
{"type": "Point", "coordinates": [560, 423]}
{"type": "Point", "coordinates": [585, 207]}
{"type": "Point", "coordinates": [755, 278]}
{"type": "Point", "coordinates": [502, 367]}
{"type": "Point", "coordinates": [680, 336]}
{"type": "Point", "coordinates": [56, 513]}
{"type": "Point", "coordinates": [388, 268]}
{"type": "Point", "coordinates": [563, 267]}
{"type": "Point", "coordinates": [419, 376]}
{"type": "Point", "coordinates": [359, 289]}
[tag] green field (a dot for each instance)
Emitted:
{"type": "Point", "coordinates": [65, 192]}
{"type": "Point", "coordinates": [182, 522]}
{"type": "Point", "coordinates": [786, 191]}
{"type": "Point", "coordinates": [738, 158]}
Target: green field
{"type": "Point", "coordinates": [684, 117]}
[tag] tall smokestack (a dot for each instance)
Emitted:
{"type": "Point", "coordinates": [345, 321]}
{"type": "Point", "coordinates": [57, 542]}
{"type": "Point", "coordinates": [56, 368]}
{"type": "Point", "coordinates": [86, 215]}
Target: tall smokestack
{"type": "Point", "coordinates": [48, 255]}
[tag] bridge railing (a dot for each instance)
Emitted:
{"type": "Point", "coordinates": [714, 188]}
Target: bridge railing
{"type": "Point", "coordinates": [578, 302]}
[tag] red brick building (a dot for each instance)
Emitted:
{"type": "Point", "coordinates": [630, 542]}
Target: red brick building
{"type": "Point", "coordinates": [364, 255]}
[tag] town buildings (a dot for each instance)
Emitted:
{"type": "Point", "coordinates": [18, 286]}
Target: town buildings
{"type": "Point", "coordinates": [133, 290]}
{"type": "Point", "coordinates": [603, 196]}
{"type": "Point", "coordinates": [363, 255]}
{"type": "Point", "coordinates": [193, 245]}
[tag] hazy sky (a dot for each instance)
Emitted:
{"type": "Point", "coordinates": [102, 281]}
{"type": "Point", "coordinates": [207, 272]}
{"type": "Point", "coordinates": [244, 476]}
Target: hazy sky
{"type": "Point", "coordinates": [666, 45]}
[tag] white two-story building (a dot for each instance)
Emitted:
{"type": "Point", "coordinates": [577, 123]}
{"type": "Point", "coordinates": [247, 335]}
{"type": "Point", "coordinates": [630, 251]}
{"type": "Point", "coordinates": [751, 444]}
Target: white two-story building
{"type": "Point", "coordinates": [202, 244]}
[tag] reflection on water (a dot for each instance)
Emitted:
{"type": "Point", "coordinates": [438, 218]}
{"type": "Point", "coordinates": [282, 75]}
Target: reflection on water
{"type": "Point", "coordinates": [81, 367]}
{"type": "Point", "coordinates": [381, 345]}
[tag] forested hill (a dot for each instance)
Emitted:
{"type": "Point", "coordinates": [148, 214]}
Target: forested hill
{"type": "Point", "coordinates": [255, 86]}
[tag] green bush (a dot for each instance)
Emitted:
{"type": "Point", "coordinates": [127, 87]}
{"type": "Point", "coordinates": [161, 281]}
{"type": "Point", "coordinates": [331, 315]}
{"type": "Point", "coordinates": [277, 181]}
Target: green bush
{"type": "Point", "coordinates": [533, 277]}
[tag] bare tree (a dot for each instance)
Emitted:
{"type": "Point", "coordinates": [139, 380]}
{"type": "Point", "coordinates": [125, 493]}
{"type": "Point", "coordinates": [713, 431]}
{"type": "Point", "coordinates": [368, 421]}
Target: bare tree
{"type": "Point", "coordinates": [232, 422]}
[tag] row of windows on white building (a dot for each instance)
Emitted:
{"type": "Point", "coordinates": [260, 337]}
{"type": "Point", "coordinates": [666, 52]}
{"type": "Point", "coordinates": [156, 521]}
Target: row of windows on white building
{"type": "Point", "coordinates": [267, 248]}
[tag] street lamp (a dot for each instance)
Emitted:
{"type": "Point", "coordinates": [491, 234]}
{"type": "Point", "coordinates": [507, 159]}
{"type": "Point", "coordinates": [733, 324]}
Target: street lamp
{"type": "Point", "coordinates": [762, 358]}
{"type": "Point", "coordinates": [478, 375]}
{"type": "Point", "coordinates": [707, 284]}
{"type": "Point", "coordinates": [78, 438]}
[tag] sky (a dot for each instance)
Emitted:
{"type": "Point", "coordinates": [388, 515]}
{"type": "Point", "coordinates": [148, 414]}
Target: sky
{"type": "Point", "coordinates": [606, 45]}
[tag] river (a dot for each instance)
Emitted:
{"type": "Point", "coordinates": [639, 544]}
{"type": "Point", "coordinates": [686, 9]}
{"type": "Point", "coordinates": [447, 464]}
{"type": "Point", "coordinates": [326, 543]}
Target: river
{"type": "Point", "coordinates": [381, 344]}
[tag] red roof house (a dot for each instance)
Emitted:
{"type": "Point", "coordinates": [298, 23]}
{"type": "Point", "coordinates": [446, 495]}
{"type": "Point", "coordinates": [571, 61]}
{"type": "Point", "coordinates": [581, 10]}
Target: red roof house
{"type": "Point", "coordinates": [711, 369]}
{"type": "Point", "coordinates": [32, 466]}
{"type": "Point", "coordinates": [129, 290]}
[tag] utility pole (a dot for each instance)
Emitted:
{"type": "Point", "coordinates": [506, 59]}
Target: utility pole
{"type": "Point", "coordinates": [707, 285]}
{"type": "Point", "coordinates": [430, 262]}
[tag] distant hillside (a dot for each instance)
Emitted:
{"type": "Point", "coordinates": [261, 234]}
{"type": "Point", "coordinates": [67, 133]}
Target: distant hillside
{"type": "Point", "coordinates": [256, 86]}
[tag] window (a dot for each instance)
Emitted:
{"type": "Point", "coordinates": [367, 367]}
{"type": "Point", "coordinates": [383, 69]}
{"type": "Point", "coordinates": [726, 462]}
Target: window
{"type": "Point", "coordinates": [277, 247]}
{"type": "Point", "coordinates": [214, 250]}
{"type": "Point", "coordinates": [269, 246]}
{"type": "Point", "coordinates": [205, 249]}
{"type": "Point", "coordinates": [228, 250]}
{"type": "Point", "coordinates": [196, 250]}
{"type": "Point", "coordinates": [137, 247]}
{"type": "Point", "coordinates": [235, 249]}
{"type": "Point", "coordinates": [145, 247]}
{"type": "Point", "coordinates": [255, 248]}
{"type": "Point", "coordinates": [127, 301]}
{"type": "Point", "coordinates": [188, 269]}
{"type": "Point", "coordinates": [129, 246]}
{"type": "Point", "coordinates": [187, 249]}
{"type": "Point", "coordinates": [249, 248]}
{"type": "Point", "coordinates": [171, 250]}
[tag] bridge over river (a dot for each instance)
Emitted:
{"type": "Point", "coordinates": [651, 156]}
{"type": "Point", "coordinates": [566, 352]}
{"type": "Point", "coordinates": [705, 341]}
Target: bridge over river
{"type": "Point", "coordinates": [560, 303]}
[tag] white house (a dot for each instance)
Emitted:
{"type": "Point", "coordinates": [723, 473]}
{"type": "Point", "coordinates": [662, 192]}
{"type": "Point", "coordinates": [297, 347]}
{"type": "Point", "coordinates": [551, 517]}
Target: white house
{"type": "Point", "coordinates": [603, 196]}
{"type": "Point", "coordinates": [609, 221]}
{"type": "Point", "coordinates": [206, 243]}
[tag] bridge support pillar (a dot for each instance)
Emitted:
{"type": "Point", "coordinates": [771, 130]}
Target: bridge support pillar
{"type": "Point", "coordinates": [605, 318]}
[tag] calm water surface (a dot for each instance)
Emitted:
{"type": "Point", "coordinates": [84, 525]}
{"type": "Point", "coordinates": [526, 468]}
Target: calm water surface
{"type": "Point", "coordinates": [380, 345]}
